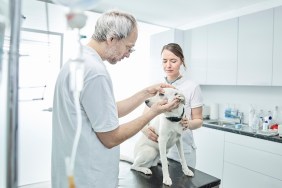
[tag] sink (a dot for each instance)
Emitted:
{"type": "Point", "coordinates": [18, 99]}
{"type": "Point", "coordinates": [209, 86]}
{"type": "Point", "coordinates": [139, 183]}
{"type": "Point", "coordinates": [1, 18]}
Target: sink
{"type": "Point", "coordinates": [241, 127]}
{"type": "Point", "coordinates": [222, 123]}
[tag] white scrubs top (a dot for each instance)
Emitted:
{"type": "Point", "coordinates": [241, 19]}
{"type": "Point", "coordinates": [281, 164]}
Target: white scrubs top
{"type": "Point", "coordinates": [194, 99]}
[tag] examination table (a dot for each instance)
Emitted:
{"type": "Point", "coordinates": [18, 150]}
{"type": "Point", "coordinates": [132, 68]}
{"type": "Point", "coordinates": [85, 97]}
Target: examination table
{"type": "Point", "coordinates": [132, 179]}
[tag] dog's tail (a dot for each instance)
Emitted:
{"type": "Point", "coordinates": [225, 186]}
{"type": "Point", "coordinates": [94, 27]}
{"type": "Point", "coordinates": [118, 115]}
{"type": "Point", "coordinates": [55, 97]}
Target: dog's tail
{"type": "Point", "coordinates": [126, 158]}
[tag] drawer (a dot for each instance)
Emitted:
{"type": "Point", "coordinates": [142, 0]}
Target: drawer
{"type": "Point", "coordinates": [254, 159]}
{"type": "Point", "coordinates": [260, 144]}
{"type": "Point", "coordinates": [238, 177]}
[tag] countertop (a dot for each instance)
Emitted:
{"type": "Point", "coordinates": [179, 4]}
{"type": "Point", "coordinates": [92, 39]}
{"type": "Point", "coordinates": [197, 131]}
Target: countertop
{"type": "Point", "coordinates": [132, 179]}
{"type": "Point", "coordinates": [245, 130]}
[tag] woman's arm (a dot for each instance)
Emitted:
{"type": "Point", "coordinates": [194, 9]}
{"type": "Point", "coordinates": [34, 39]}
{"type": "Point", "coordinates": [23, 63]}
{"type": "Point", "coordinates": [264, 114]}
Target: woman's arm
{"type": "Point", "coordinates": [196, 119]}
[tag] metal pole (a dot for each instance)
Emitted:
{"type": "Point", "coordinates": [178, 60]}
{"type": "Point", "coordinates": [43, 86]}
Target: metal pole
{"type": "Point", "coordinates": [12, 111]}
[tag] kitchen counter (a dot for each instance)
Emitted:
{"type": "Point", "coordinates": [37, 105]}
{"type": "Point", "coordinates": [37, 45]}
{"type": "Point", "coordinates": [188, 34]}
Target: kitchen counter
{"type": "Point", "coordinates": [245, 130]}
{"type": "Point", "coordinates": [132, 179]}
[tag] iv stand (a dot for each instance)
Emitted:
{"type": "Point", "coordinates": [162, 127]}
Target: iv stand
{"type": "Point", "coordinates": [12, 95]}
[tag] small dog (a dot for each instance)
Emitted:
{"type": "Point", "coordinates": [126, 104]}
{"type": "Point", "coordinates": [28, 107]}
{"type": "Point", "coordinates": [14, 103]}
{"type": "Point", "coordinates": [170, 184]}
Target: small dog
{"type": "Point", "coordinates": [147, 153]}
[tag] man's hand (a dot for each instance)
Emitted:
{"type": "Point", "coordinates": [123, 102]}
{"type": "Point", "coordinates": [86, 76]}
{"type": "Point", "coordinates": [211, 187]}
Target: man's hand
{"type": "Point", "coordinates": [165, 106]}
{"type": "Point", "coordinates": [154, 89]}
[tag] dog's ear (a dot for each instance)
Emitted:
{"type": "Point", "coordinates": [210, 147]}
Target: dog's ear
{"type": "Point", "coordinates": [181, 97]}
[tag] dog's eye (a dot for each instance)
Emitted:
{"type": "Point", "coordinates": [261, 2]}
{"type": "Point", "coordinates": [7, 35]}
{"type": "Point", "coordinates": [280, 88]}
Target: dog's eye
{"type": "Point", "coordinates": [161, 94]}
{"type": "Point", "coordinates": [176, 94]}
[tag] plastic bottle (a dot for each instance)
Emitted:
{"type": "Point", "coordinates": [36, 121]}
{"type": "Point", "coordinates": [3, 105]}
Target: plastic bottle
{"type": "Point", "coordinates": [251, 115]}
{"type": "Point", "coordinates": [275, 115]}
{"type": "Point", "coordinates": [233, 112]}
{"type": "Point", "coordinates": [270, 118]}
{"type": "Point", "coordinates": [227, 112]}
{"type": "Point", "coordinates": [261, 118]}
{"type": "Point", "coordinates": [255, 122]}
{"type": "Point", "coordinates": [265, 125]}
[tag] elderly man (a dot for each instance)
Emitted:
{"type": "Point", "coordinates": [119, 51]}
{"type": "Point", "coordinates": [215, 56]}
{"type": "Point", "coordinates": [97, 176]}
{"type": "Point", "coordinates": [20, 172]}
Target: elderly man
{"type": "Point", "coordinates": [97, 157]}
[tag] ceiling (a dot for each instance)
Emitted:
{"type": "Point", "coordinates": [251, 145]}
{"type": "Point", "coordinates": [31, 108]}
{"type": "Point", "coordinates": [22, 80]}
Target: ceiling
{"type": "Point", "coordinates": [185, 14]}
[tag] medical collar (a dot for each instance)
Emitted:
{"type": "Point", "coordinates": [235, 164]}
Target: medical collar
{"type": "Point", "coordinates": [171, 82]}
{"type": "Point", "coordinates": [176, 119]}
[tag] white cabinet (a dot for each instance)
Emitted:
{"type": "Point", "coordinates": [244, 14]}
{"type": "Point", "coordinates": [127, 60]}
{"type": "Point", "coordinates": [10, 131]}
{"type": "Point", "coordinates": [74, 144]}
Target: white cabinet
{"type": "Point", "coordinates": [251, 162]}
{"type": "Point", "coordinates": [157, 42]}
{"type": "Point", "coordinates": [240, 51]}
{"type": "Point", "coordinates": [35, 14]}
{"type": "Point", "coordinates": [197, 66]}
{"type": "Point", "coordinates": [213, 53]}
{"type": "Point", "coordinates": [238, 160]}
{"type": "Point", "coordinates": [236, 176]}
{"type": "Point", "coordinates": [277, 48]}
{"type": "Point", "coordinates": [210, 147]}
{"type": "Point", "coordinates": [222, 53]}
{"type": "Point", "coordinates": [255, 45]}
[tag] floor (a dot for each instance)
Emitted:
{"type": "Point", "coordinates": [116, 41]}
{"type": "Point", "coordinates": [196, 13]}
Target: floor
{"type": "Point", "coordinates": [38, 185]}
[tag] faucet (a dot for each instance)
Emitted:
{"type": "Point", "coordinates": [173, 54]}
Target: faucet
{"type": "Point", "coordinates": [240, 117]}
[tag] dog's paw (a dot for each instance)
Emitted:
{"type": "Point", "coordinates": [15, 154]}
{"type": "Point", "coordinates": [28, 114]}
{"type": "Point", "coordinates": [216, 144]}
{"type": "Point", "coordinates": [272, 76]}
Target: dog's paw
{"type": "Point", "coordinates": [188, 172]}
{"type": "Point", "coordinates": [147, 171]}
{"type": "Point", "coordinates": [144, 170]}
{"type": "Point", "coordinates": [167, 181]}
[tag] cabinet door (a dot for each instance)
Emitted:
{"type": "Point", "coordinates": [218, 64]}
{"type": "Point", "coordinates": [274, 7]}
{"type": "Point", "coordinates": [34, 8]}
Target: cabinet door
{"type": "Point", "coordinates": [236, 176]}
{"type": "Point", "coordinates": [157, 41]}
{"type": "Point", "coordinates": [277, 48]}
{"type": "Point", "coordinates": [35, 13]}
{"type": "Point", "coordinates": [262, 162]}
{"type": "Point", "coordinates": [255, 49]}
{"type": "Point", "coordinates": [222, 53]}
{"type": "Point", "coordinates": [251, 162]}
{"type": "Point", "coordinates": [210, 145]}
{"type": "Point", "coordinates": [197, 66]}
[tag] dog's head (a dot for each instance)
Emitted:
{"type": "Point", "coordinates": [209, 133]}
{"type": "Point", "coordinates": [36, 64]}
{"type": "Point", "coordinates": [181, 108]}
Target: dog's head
{"type": "Point", "coordinates": [168, 94]}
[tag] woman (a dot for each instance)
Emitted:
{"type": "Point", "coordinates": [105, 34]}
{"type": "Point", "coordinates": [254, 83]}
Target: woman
{"type": "Point", "coordinates": [172, 60]}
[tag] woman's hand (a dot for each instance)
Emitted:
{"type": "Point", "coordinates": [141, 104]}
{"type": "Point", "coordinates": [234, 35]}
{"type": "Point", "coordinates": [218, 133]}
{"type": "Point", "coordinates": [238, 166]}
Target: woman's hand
{"type": "Point", "coordinates": [185, 123]}
{"type": "Point", "coordinates": [150, 133]}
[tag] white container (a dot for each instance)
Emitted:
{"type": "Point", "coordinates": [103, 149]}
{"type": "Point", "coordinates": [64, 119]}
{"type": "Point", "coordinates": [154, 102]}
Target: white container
{"type": "Point", "coordinates": [255, 122]}
{"type": "Point", "coordinates": [206, 112]}
{"type": "Point", "coordinates": [214, 111]}
{"type": "Point", "coordinates": [251, 115]}
{"type": "Point", "coordinates": [280, 130]}
{"type": "Point", "coordinates": [275, 115]}
{"type": "Point", "coordinates": [265, 126]}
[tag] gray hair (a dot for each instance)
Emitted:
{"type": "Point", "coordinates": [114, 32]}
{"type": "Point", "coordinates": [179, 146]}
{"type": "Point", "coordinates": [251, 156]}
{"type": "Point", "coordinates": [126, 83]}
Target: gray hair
{"type": "Point", "coordinates": [115, 24]}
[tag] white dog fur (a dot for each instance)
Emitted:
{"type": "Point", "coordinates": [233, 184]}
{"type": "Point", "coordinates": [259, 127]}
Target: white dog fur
{"type": "Point", "coordinates": [147, 153]}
